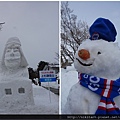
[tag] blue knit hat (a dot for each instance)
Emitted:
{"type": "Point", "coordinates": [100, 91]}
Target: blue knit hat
{"type": "Point", "coordinates": [103, 29]}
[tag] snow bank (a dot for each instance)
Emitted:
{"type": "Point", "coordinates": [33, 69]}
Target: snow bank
{"type": "Point", "coordinates": [69, 77]}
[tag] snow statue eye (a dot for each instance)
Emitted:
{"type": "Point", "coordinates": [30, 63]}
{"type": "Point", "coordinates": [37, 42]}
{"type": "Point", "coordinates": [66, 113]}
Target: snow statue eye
{"type": "Point", "coordinates": [8, 50]}
{"type": "Point", "coordinates": [99, 53]}
{"type": "Point", "coordinates": [16, 50]}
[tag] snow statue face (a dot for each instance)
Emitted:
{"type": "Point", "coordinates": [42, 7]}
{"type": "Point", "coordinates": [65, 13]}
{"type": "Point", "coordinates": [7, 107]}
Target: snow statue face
{"type": "Point", "coordinates": [12, 56]}
{"type": "Point", "coordinates": [99, 58]}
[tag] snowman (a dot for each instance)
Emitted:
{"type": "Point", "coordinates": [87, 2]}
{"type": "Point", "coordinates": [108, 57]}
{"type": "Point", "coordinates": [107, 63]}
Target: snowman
{"type": "Point", "coordinates": [98, 65]}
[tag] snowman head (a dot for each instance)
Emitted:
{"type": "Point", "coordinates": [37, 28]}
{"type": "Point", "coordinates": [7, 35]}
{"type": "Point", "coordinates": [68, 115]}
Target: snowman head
{"type": "Point", "coordinates": [99, 58]}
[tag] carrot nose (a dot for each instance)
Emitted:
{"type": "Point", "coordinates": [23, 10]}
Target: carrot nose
{"type": "Point", "coordinates": [84, 54]}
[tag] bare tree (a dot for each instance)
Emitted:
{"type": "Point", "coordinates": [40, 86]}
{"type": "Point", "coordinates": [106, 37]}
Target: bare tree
{"type": "Point", "coordinates": [57, 57]}
{"type": "Point", "coordinates": [73, 32]}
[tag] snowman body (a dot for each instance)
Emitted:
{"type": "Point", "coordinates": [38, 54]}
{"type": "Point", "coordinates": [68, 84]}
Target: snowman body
{"type": "Point", "coordinates": [98, 58]}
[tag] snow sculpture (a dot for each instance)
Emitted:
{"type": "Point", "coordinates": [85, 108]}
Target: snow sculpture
{"type": "Point", "coordinates": [15, 87]}
{"type": "Point", "coordinates": [13, 63]}
{"type": "Point", "coordinates": [98, 58]}
{"type": "Point", "coordinates": [103, 62]}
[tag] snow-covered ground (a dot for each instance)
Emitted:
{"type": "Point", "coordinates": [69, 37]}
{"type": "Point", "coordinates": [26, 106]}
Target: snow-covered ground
{"type": "Point", "coordinates": [69, 77]}
{"type": "Point", "coordinates": [45, 101]}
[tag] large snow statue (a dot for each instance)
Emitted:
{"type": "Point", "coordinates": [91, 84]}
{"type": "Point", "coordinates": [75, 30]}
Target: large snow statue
{"type": "Point", "coordinates": [13, 61]}
{"type": "Point", "coordinates": [98, 65]}
{"type": "Point", "coordinates": [15, 87]}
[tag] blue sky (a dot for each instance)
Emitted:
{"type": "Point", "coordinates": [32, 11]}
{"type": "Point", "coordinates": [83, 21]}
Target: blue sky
{"type": "Point", "coordinates": [36, 24]}
{"type": "Point", "coordinates": [89, 11]}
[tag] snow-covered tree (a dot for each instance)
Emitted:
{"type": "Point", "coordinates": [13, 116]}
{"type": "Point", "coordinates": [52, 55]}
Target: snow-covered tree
{"type": "Point", "coordinates": [73, 32]}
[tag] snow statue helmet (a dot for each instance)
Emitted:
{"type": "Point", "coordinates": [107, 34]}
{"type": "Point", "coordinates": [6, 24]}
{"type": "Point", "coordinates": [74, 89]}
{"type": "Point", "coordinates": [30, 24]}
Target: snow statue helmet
{"type": "Point", "coordinates": [13, 52]}
{"type": "Point", "coordinates": [103, 29]}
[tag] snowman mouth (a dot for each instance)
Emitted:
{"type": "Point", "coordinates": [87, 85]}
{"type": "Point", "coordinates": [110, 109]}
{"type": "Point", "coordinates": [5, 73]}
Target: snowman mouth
{"type": "Point", "coordinates": [84, 64]}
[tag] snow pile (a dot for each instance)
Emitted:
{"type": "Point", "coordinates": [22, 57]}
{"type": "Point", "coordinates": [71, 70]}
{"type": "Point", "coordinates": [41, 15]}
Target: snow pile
{"type": "Point", "coordinates": [69, 77]}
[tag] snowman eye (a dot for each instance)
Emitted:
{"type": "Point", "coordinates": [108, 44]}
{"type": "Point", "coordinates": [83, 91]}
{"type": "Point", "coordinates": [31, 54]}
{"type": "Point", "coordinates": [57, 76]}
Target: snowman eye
{"type": "Point", "coordinates": [99, 52]}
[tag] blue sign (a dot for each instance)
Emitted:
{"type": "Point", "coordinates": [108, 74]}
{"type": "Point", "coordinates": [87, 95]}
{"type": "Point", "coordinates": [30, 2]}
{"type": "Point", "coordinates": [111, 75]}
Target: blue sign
{"type": "Point", "coordinates": [47, 76]}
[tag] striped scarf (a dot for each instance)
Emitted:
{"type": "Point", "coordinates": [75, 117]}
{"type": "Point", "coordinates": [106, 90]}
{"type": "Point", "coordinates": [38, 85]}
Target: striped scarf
{"type": "Point", "coordinates": [107, 89]}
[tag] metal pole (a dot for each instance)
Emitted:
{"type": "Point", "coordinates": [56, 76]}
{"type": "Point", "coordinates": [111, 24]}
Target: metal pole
{"type": "Point", "coordinates": [49, 92]}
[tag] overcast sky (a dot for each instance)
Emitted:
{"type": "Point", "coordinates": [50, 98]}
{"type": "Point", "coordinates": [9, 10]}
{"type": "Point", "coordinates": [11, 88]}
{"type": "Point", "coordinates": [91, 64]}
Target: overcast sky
{"type": "Point", "coordinates": [36, 24]}
{"type": "Point", "coordinates": [89, 11]}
